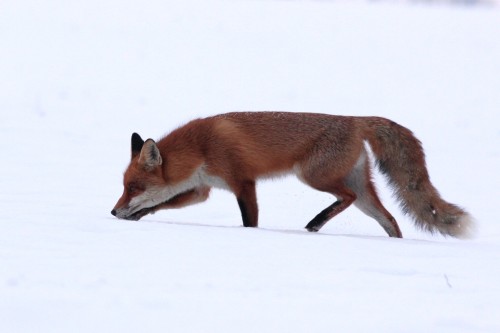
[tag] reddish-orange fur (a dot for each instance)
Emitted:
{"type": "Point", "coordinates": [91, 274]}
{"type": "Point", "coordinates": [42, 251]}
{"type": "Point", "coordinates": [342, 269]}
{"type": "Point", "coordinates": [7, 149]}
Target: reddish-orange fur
{"type": "Point", "coordinates": [327, 152]}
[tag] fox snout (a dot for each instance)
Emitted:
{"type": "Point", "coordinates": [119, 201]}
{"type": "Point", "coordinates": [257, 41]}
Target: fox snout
{"type": "Point", "coordinates": [131, 215]}
{"type": "Point", "coordinates": [118, 213]}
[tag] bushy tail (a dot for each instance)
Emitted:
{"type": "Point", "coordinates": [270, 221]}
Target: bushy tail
{"type": "Point", "coordinates": [399, 156]}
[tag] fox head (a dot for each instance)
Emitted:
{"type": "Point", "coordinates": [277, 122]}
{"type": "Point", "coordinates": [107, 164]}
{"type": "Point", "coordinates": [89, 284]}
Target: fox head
{"type": "Point", "coordinates": [143, 181]}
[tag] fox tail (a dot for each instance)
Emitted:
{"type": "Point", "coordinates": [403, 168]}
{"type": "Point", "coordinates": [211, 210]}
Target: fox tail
{"type": "Point", "coordinates": [400, 157]}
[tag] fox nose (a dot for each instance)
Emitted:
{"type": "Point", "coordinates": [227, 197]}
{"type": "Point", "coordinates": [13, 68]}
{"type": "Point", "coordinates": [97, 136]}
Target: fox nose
{"type": "Point", "coordinates": [113, 212]}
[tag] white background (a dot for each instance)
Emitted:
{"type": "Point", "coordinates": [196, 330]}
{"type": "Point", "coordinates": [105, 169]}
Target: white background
{"type": "Point", "coordinates": [78, 77]}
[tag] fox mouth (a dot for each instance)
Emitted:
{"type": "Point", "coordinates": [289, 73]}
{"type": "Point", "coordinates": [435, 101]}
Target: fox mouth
{"type": "Point", "coordinates": [140, 214]}
{"type": "Point", "coordinates": [136, 216]}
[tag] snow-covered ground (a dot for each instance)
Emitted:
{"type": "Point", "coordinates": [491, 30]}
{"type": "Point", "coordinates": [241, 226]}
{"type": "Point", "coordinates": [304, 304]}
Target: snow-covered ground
{"type": "Point", "coordinates": [78, 77]}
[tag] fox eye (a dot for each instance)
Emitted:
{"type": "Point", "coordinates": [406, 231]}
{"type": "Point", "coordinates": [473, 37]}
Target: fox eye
{"type": "Point", "coordinates": [132, 188]}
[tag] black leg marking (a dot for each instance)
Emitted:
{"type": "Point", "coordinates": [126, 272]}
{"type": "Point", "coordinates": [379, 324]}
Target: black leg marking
{"type": "Point", "coordinates": [244, 213]}
{"type": "Point", "coordinates": [247, 200]}
{"type": "Point", "coordinates": [320, 220]}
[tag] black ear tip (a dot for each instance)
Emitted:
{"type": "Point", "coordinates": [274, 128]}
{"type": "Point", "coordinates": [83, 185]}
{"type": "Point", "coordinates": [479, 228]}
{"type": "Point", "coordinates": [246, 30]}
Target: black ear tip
{"type": "Point", "coordinates": [136, 138]}
{"type": "Point", "coordinates": [137, 144]}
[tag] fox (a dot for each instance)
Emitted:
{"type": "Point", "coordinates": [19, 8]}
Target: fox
{"type": "Point", "coordinates": [330, 153]}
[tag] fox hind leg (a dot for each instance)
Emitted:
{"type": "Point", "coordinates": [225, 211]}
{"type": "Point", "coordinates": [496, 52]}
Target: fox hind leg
{"type": "Point", "coordinates": [316, 174]}
{"type": "Point", "coordinates": [359, 180]}
{"type": "Point", "coordinates": [370, 204]}
{"type": "Point", "coordinates": [345, 198]}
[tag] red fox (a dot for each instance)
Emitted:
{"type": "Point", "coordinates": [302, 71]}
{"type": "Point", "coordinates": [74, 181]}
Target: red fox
{"type": "Point", "coordinates": [232, 151]}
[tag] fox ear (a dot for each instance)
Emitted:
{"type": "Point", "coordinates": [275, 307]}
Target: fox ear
{"type": "Point", "coordinates": [137, 143]}
{"type": "Point", "coordinates": [150, 155]}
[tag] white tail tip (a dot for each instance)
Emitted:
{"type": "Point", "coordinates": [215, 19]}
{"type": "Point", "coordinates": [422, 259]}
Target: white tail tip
{"type": "Point", "coordinates": [465, 227]}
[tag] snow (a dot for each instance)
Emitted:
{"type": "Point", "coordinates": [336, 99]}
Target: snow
{"type": "Point", "coordinates": [77, 78]}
